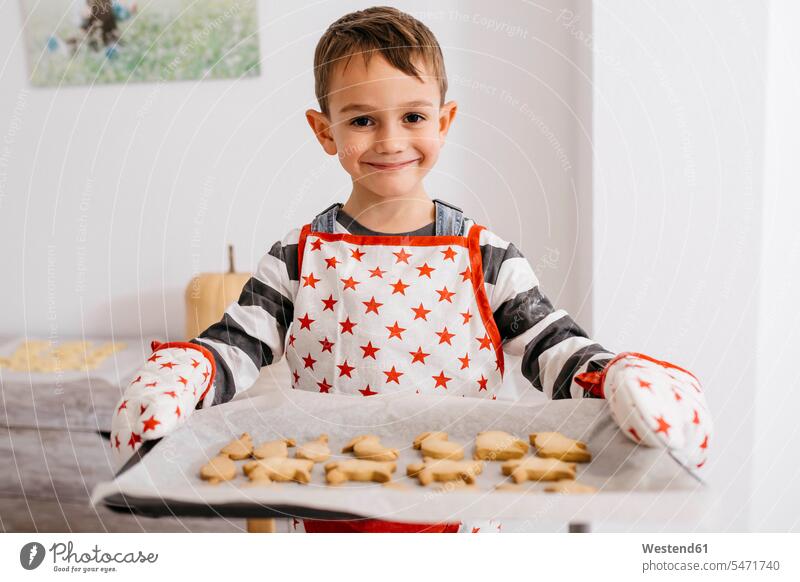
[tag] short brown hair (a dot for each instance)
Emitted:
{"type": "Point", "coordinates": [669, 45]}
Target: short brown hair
{"type": "Point", "coordinates": [397, 36]}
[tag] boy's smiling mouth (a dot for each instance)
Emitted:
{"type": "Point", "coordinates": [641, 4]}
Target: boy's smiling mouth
{"type": "Point", "coordinates": [384, 167]}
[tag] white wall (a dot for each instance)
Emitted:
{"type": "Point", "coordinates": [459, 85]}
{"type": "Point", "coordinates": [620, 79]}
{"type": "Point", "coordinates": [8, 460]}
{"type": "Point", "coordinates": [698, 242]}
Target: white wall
{"type": "Point", "coordinates": [775, 496]}
{"type": "Point", "coordinates": [112, 197]}
{"type": "Point", "coordinates": [678, 123]}
{"type": "Point", "coordinates": [521, 77]}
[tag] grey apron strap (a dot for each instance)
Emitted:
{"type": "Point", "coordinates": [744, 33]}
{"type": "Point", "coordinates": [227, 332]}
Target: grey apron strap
{"type": "Point", "coordinates": [325, 221]}
{"type": "Point", "coordinates": [449, 219]}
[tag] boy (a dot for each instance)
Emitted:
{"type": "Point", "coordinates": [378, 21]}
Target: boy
{"type": "Point", "coordinates": [392, 291]}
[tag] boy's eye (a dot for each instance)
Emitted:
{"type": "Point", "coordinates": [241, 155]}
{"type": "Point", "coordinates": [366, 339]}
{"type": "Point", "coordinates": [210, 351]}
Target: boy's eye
{"type": "Point", "coordinates": [412, 118]}
{"type": "Point", "coordinates": [360, 121]}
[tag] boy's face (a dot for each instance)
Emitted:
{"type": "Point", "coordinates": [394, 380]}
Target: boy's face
{"type": "Point", "coordinates": [386, 127]}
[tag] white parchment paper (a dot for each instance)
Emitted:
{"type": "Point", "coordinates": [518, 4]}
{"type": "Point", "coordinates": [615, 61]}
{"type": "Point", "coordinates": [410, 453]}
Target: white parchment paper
{"type": "Point", "coordinates": [635, 483]}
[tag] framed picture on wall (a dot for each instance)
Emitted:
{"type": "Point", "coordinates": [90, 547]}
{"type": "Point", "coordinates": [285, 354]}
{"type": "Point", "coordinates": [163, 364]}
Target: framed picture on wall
{"type": "Point", "coordinates": [83, 42]}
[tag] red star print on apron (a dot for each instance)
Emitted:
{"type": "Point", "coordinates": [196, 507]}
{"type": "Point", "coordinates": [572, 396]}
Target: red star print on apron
{"type": "Point", "coordinates": [384, 314]}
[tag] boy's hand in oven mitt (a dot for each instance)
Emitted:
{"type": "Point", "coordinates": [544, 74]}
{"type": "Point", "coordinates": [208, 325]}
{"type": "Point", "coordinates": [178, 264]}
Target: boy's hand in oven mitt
{"type": "Point", "coordinates": [161, 396]}
{"type": "Point", "coordinates": [656, 404]}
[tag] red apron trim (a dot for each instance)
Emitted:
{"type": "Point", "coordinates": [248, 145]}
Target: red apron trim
{"type": "Point", "coordinates": [476, 266]}
{"type": "Point", "coordinates": [409, 241]}
{"type": "Point", "coordinates": [391, 240]}
{"type": "Point", "coordinates": [155, 345]}
{"type": "Point", "coordinates": [594, 382]}
{"type": "Point", "coordinates": [376, 526]}
{"type": "Point", "coordinates": [301, 248]}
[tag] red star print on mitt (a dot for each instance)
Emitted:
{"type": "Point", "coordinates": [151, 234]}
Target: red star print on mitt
{"type": "Point", "coordinates": [655, 404]}
{"type": "Point", "coordinates": [161, 396]}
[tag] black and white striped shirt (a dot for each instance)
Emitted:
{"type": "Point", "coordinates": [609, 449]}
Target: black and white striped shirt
{"type": "Point", "coordinates": [252, 331]}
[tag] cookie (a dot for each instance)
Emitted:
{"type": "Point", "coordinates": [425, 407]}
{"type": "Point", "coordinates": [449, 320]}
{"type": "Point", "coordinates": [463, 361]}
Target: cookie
{"type": "Point", "coordinates": [555, 445]}
{"type": "Point", "coordinates": [436, 446]}
{"type": "Point", "coordinates": [538, 469]}
{"type": "Point", "coordinates": [525, 487]}
{"type": "Point", "coordinates": [399, 485]}
{"type": "Point", "coordinates": [279, 469]}
{"type": "Point", "coordinates": [369, 447]}
{"type": "Point", "coordinates": [431, 470]}
{"type": "Point", "coordinates": [316, 451]}
{"type": "Point", "coordinates": [218, 469]}
{"type": "Point", "coordinates": [239, 449]}
{"type": "Point", "coordinates": [359, 470]}
{"type": "Point", "coordinates": [261, 480]}
{"type": "Point", "coordinates": [273, 449]}
{"type": "Point", "coordinates": [569, 486]}
{"type": "Point", "coordinates": [496, 445]}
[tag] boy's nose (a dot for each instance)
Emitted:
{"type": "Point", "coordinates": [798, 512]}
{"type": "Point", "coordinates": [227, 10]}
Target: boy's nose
{"type": "Point", "coordinates": [389, 141]}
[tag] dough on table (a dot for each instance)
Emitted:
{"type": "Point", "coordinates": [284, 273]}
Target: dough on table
{"type": "Point", "coordinates": [538, 469]}
{"type": "Point", "coordinates": [369, 447]}
{"type": "Point", "coordinates": [239, 449]}
{"type": "Point", "coordinates": [359, 470]}
{"type": "Point", "coordinates": [569, 486]}
{"type": "Point", "coordinates": [316, 450]}
{"type": "Point", "coordinates": [46, 356]}
{"type": "Point", "coordinates": [496, 445]}
{"type": "Point", "coordinates": [437, 446]}
{"type": "Point", "coordinates": [279, 469]}
{"type": "Point", "coordinates": [555, 445]}
{"type": "Point", "coordinates": [431, 470]}
{"type": "Point", "coordinates": [277, 448]}
{"type": "Point", "coordinates": [218, 469]}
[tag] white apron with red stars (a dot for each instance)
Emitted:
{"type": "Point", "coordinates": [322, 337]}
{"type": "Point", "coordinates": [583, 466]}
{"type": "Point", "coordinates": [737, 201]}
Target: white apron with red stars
{"type": "Point", "coordinates": [385, 314]}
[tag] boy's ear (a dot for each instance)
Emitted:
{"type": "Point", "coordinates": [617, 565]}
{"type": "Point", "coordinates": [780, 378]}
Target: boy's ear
{"type": "Point", "coordinates": [447, 113]}
{"type": "Point", "coordinates": [321, 126]}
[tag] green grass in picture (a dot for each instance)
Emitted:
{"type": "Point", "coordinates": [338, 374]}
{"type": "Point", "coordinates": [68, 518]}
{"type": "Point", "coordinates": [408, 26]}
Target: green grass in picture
{"type": "Point", "coordinates": [80, 42]}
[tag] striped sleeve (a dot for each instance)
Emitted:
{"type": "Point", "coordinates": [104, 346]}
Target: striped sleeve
{"type": "Point", "coordinates": [252, 331]}
{"type": "Point", "coordinates": [553, 347]}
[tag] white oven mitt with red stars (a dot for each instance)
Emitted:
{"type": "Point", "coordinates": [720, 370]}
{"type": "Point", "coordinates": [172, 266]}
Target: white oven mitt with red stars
{"type": "Point", "coordinates": [656, 404]}
{"type": "Point", "coordinates": [161, 396]}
